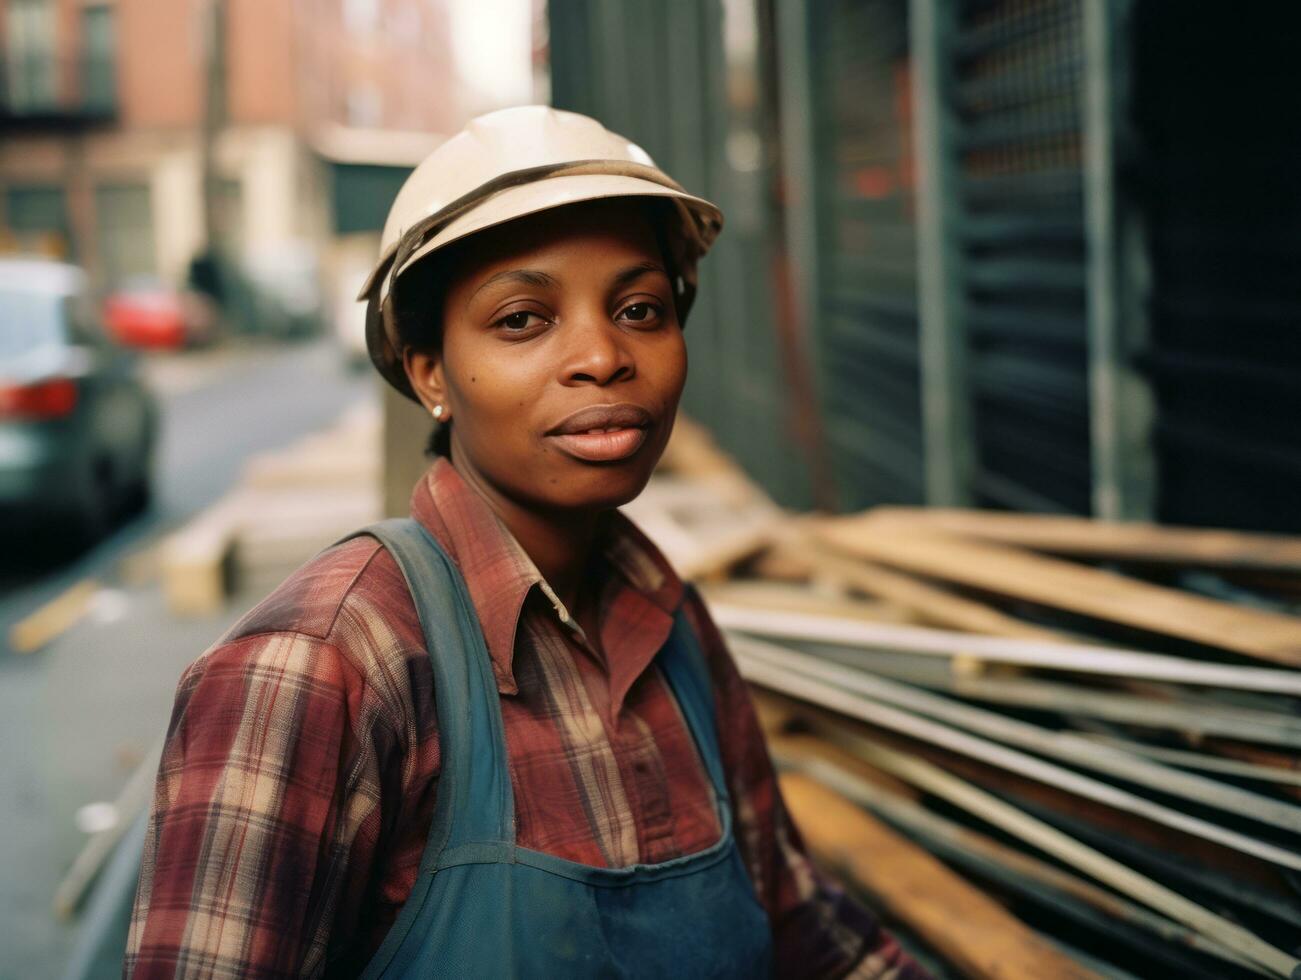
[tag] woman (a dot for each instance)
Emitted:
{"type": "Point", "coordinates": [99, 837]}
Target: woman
{"type": "Point", "coordinates": [502, 738]}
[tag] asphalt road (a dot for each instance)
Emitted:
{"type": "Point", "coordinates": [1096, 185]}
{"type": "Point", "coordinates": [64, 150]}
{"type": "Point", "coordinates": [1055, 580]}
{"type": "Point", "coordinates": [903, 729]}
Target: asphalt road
{"type": "Point", "coordinates": [77, 715]}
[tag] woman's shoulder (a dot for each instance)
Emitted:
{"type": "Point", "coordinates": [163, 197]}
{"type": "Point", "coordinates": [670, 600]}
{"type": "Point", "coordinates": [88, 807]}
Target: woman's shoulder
{"type": "Point", "coordinates": [352, 599]}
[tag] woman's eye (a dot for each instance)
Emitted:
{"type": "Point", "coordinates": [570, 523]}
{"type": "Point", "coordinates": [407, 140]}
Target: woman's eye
{"type": "Point", "coordinates": [518, 321]}
{"type": "Point", "coordinates": [640, 312]}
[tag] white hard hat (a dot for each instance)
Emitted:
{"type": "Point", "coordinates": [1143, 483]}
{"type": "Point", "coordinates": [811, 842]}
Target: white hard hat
{"type": "Point", "coordinates": [506, 165]}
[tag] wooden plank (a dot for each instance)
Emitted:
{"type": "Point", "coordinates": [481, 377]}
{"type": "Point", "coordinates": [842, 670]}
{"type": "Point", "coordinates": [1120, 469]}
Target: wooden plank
{"type": "Point", "coordinates": [970, 930]}
{"type": "Point", "coordinates": [1077, 588]}
{"type": "Point", "coordinates": [1051, 841]}
{"type": "Point", "coordinates": [960, 844]}
{"type": "Point", "coordinates": [706, 524]}
{"type": "Point", "coordinates": [1282, 762]}
{"type": "Point", "coordinates": [1083, 537]}
{"type": "Point", "coordinates": [1254, 883]}
{"type": "Point", "coordinates": [974, 681]}
{"type": "Point", "coordinates": [1201, 761]}
{"type": "Point", "coordinates": [52, 619]}
{"type": "Point", "coordinates": [1072, 657]}
{"type": "Point", "coordinates": [1270, 728]}
{"type": "Point", "coordinates": [793, 682]}
{"type": "Point", "coordinates": [782, 595]}
{"type": "Point", "coordinates": [197, 561]}
{"type": "Point", "coordinates": [934, 604]}
{"type": "Point", "coordinates": [1064, 745]}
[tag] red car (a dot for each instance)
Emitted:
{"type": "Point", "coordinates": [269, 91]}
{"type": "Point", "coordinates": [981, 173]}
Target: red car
{"type": "Point", "coordinates": [153, 315]}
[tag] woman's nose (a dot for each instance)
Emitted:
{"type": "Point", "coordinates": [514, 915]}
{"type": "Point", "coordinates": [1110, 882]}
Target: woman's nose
{"type": "Point", "coordinates": [597, 353]}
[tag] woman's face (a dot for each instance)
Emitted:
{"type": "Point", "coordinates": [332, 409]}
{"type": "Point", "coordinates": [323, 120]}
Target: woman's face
{"type": "Point", "coordinates": [562, 359]}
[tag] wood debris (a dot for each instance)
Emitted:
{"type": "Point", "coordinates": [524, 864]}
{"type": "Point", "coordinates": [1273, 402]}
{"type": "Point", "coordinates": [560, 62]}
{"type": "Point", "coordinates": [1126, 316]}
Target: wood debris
{"type": "Point", "coordinates": [286, 507]}
{"type": "Point", "coordinates": [1091, 729]}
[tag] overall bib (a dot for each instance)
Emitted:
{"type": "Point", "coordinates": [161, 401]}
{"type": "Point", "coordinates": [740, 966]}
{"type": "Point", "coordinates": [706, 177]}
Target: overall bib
{"type": "Point", "coordinates": [483, 906]}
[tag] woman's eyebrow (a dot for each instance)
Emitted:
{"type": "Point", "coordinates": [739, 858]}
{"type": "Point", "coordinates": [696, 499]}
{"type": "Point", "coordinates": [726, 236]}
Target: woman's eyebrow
{"type": "Point", "coordinates": [529, 277]}
{"type": "Point", "coordinates": [634, 272]}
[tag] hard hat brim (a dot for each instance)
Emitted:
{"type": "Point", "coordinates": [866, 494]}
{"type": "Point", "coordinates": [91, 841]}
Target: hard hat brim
{"type": "Point", "coordinates": [544, 195]}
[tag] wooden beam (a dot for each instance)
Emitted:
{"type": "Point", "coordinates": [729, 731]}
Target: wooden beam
{"type": "Point", "coordinates": [1076, 588]}
{"type": "Point", "coordinates": [970, 930]}
{"type": "Point", "coordinates": [1063, 745]}
{"type": "Point", "coordinates": [1083, 537]}
{"type": "Point", "coordinates": [1204, 762]}
{"type": "Point", "coordinates": [936, 605]}
{"type": "Point", "coordinates": [793, 682]}
{"type": "Point", "coordinates": [1051, 841]}
{"type": "Point", "coordinates": [1001, 863]}
{"type": "Point", "coordinates": [971, 649]}
{"type": "Point", "coordinates": [781, 595]}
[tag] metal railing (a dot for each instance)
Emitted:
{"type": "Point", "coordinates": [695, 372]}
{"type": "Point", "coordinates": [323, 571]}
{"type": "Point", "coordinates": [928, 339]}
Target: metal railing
{"type": "Point", "coordinates": [40, 86]}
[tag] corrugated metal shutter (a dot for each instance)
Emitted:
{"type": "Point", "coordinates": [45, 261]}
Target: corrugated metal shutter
{"type": "Point", "coordinates": [1017, 103]}
{"type": "Point", "coordinates": [658, 74]}
{"type": "Point", "coordinates": [867, 282]}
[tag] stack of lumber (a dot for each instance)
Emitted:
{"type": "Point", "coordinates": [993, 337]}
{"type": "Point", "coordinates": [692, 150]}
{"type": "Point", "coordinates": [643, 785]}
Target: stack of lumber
{"type": "Point", "coordinates": [1041, 746]}
{"type": "Point", "coordinates": [286, 506]}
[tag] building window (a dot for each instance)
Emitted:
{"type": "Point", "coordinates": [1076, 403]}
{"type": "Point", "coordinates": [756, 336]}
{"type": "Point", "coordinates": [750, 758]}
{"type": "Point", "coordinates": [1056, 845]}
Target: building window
{"type": "Point", "coordinates": [32, 76]}
{"type": "Point", "coordinates": [124, 223]}
{"type": "Point", "coordinates": [99, 64]}
{"type": "Point", "coordinates": [37, 219]}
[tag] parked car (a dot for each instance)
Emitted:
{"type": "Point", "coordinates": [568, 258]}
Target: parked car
{"type": "Point", "coordinates": [77, 427]}
{"type": "Point", "coordinates": [150, 314]}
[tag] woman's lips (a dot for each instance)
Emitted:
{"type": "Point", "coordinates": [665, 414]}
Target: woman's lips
{"type": "Point", "coordinates": [602, 433]}
{"type": "Point", "coordinates": [605, 446]}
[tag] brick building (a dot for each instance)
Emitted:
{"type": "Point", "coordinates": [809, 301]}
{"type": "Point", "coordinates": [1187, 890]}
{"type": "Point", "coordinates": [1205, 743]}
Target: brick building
{"type": "Point", "coordinates": [316, 108]}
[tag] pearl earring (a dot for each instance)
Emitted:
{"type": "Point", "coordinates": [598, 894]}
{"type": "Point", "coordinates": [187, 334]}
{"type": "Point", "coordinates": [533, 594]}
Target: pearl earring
{"type": "Point", "coordinates": [438, 412]}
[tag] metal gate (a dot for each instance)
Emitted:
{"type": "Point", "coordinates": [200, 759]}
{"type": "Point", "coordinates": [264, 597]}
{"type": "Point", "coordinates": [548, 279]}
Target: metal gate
{"type": "Point", "coordinates": [866, 273]}
{"type": "Point", "coordinates": [686, 80]}
{"type": "Point", "coordinates": [1015, 98]}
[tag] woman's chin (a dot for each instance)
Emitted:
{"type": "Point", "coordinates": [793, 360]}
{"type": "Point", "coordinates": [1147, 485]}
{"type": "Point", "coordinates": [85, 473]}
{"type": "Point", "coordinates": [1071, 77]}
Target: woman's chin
{"type": "Point", "coordinates": [604, 488]}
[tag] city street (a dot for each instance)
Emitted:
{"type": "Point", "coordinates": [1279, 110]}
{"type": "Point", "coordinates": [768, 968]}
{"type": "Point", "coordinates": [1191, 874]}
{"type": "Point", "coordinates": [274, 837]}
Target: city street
{"type": "Point", "coordinates": [77, 715]}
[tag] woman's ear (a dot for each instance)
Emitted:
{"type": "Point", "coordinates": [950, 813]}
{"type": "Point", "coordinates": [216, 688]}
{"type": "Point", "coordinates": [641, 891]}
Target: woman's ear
{"type": "Point", "coordinates": [425, 372]}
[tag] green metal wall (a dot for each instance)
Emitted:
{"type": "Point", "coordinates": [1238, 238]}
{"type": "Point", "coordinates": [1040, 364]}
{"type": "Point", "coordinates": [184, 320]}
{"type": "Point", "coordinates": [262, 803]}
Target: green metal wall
{"type": "Point", "coordinates": [658, 74]}
{"type": "Point", "coordinates": [1031, 254]}
{"type": "Point", "coordinates": [865, 279]}
{"type": "Point", "coordinates": [1016, 101]}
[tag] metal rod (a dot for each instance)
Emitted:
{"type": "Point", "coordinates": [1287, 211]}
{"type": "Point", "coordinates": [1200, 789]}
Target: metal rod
{"type": "Point", "coordinates": [1002, 863]}
{"type": "Point", "coordinates": [1249, 724]}
{"type": "Point", "coordinates": [1094, 863]}
{"type": "Point", "coordinates": [1065, 746]}
{"type": "Point", "coordinates": [1121, 401]}
{"type": "Point", "coordinates": [1210, 763]}
{"type": "Point", "coordinates": [1076, 657]}
{"type": "Point", "coordinates": [946, 399]}
{"type": "Point", "coordinates": [793, 682]}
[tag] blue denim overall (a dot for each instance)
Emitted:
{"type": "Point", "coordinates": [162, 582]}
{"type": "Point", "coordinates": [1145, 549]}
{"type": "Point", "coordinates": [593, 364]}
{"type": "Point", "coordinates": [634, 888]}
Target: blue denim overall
{"type": "Point", "coordinates": [483, 906]}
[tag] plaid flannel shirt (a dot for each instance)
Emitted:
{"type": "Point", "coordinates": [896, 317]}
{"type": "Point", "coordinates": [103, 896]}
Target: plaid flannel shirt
{"type": "Point", "coordinates": [301, 766]}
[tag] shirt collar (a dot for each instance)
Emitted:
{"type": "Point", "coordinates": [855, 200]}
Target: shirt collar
{"type": "Point", "coordinates": [636, 605]}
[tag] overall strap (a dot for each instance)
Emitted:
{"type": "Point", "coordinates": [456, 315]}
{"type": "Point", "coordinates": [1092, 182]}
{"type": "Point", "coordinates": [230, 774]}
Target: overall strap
{"type": "Point", "coordinates": [475, 804]}
{"type": "Point", "coordinates": [683, 663]}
